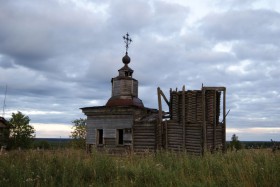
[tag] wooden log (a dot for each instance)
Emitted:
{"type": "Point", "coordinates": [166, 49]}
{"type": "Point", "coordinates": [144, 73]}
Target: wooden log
{"type": "Point", "coordinates": [204, 120]}
{"type": "Point", "coordinates": [224, 119]}
{"type": "Point", "coordinates": [197, 147]}
{"type": "Point", "coordinates": [175, 142]}
{"type": "Point", "coordinates": [194, 132]}
{"type": "Point", "coordinates": [183, 115]}
{"type": "Point", "coordinates": [195, 141]}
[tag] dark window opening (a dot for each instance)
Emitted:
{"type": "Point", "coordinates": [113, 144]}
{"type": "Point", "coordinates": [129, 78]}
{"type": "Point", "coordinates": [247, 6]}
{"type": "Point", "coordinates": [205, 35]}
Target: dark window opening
{"type": "Point", "coordinates": [100, 136]}
{"type": "Point", "coordinates": [120, 136]}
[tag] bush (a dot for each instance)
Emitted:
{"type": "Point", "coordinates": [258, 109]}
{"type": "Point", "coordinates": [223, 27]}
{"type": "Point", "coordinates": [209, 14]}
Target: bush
{"type": "Point", "coordinates": [42, 144]}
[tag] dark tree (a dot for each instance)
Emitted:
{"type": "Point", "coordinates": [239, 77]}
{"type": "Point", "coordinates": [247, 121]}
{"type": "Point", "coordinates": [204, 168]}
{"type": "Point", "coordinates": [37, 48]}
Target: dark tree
{"type": "Point", "coordinates": [22, 134]}
{"type": "Point", "coordinates": [235, 143]}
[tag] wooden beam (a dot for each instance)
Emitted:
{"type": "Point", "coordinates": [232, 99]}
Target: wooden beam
{"type": "Point", "coordinates": [165, 99]}
{"type": "Point", "coordinates": [166, 136]}
{"type": "Point", "coordinates": [184, 118]}
{"type": "Point", "coordinates": [204, 122]}
{"type": "Point", "coordinates": [215, 117]}
{"type": "Point", "coordinates": [159, 129]}
{"type": "Point", "coordinates": [214, 88]}
{"type": "Point", "coordinates": [224, 119]}
{"type": "Point", "coordinates": [159, 105]}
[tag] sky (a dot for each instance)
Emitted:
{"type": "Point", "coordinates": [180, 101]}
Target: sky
{"type": "Point", "coordinates": [57, 56]}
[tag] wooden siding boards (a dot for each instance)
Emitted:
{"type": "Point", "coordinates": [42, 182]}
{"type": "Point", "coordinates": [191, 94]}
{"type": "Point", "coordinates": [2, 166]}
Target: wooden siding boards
{"type": "Point", "coordinates": [144, 136]}
{"type": "Point", "coordinates": [135, 88]}
{"type": "Point", "coordinates": [131, 119]}
{"type": "Point", "coordinates": [125, 87]}
{"type": "Point", "coordinates": [111, 121]}
{"type": "Point", "coordinates": [109, 124]}
{"type": "Point", "coordinates": [116, 90]}
{"type": "Point", "coordinates": [90, 136]}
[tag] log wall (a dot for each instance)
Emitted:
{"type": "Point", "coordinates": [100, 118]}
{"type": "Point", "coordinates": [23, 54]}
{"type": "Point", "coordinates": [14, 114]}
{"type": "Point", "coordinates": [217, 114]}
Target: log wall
{"type": "Point", "coordinates": [191, 111]}
{"type": "Point", "coordinates": [144, 137]}
{"type": "Point", "coordinates": [193, 106]}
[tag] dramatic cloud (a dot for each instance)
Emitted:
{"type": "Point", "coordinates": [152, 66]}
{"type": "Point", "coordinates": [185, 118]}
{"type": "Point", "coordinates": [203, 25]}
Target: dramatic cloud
{"type": "Point", "coordinates": [57, 56]}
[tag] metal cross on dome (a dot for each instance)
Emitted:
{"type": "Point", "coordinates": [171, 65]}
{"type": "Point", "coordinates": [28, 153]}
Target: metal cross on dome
{"type": "Point", "coordinates": [127, 41]}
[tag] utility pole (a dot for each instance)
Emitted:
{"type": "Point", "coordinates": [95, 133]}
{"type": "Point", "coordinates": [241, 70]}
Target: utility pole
{"type": "Point", "coordinates": [4, 104]}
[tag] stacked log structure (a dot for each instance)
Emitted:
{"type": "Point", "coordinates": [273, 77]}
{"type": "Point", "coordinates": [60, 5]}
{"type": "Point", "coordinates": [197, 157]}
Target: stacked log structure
{"type": "Point", "coordinates": [195, 124]}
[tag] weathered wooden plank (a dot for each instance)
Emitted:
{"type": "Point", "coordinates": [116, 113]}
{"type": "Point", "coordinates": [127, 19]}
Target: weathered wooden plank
{"type": "Point", "coordinates": [146, 145]}
{"type": "Point", "coordinates": [196, 147]}
{"type": "Point", "coordinates": [194, 141]}
{"type": "Point", "coordinates": [144, 134]}
{"type": "Point", "coordinates": [110, 141]}
{"type": "Point", "coordinates": [144, 148]}
{"type": "Point", "coordinates": [116, 121]}
{"type": "Point", "coordinates": [174, 130]}
{"type": "Point", "coordinates": [194, 133]}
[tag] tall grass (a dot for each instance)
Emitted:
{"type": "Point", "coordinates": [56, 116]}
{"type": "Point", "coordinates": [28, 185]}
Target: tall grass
{"type": "Point", "coordinates": [76, 168]}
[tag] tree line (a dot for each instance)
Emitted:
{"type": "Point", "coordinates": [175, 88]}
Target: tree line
{"type": "Point", "coordinates": [21, 134]}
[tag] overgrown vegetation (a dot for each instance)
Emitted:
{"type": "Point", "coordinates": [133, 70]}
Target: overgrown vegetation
{"type": "Point", "coordinates": [76, 168]}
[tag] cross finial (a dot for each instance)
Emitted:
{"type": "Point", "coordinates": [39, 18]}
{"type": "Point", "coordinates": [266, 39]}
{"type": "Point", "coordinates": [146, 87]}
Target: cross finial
{"type": "Point", "coordinates": [127, 41]}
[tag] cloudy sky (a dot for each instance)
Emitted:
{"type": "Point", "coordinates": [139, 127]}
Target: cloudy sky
{"type": "Point", "coordinates": [57, 56]}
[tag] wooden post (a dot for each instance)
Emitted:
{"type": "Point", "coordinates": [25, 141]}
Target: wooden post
{"type": "Point", "coordinates": [132, 135]}
{"type": "Point", "coordinates": [214, 120]}
{"type": "Point", "coordinates": [224, 119]}
{"type": "Point", "coordinates": [165, 99]}
{"type": "Point", "coordinates": [170, 104]}
{"type": "Point", "coordinates": [166, 137]}
{"type": "Point", "coordinates": [203, 122]}
{"type": "Point", "coordinates": [159, 105]}
{"type": "Point", "coordinates": [159, 118]}
{"type": "Point", "coordinates": [184, 118]}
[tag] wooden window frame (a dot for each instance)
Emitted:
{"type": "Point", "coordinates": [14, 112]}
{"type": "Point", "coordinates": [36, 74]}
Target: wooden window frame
{"type": "Point", "coordinates": [120, 137]}
{"type": "Point", "coordinates": [99, 140]}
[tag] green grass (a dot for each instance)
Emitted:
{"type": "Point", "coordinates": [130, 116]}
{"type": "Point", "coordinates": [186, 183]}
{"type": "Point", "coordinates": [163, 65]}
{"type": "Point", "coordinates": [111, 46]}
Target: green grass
{"type": "Point", "coordinates": [76, 168]}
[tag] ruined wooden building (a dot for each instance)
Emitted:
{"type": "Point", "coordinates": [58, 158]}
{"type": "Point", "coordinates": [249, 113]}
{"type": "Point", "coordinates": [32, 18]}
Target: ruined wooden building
{"type": "Point", "coordinates": [195, 121]}
{"type": "Point", "coordinates": [4, 132]}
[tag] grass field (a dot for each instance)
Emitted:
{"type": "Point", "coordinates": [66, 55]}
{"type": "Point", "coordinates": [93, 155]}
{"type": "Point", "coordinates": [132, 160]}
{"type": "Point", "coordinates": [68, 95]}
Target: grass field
{"type": "Point", "coordinates": [76, 168]}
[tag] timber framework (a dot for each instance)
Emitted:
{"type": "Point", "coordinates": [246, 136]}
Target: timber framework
{"type": "Point", "coordinates": [196, 122]}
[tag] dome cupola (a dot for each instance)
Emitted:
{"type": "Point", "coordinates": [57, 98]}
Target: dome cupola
{"type": "Point", "coordinates": [124, 87]}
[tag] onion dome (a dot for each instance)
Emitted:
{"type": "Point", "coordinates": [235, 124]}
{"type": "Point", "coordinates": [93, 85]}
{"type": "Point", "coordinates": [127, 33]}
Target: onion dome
{"type": "Point", "coordinates": [126, 59]}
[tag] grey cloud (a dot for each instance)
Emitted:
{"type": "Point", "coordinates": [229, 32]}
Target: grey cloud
{"type": "Point", "coordinates": [6, 62]}
{"type": "Point", "coordinates": [235, 4]}
{"type": "Point", "coordinates": [45, 31]}
{"type": "Point", "coordinates": [259, 52]}
{"type": "Point", "coordinates": [261, 26]}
